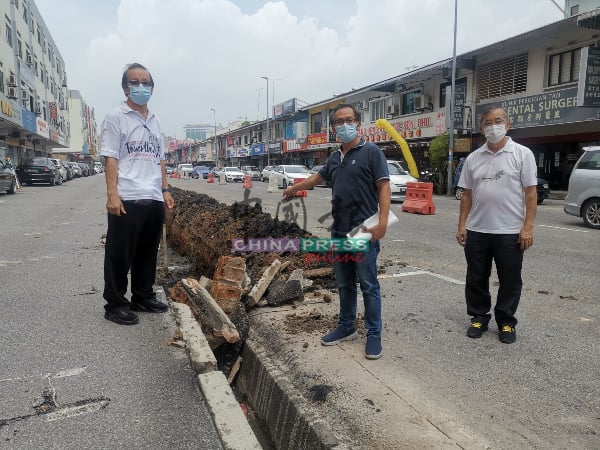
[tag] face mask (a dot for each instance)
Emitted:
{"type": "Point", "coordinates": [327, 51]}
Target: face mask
{"type": "Point", "coordinates": [140, 94]}
{"type": "Point", "coordinates": [495, 133]}
{"type": "Point", "coordinates": [346, 132]}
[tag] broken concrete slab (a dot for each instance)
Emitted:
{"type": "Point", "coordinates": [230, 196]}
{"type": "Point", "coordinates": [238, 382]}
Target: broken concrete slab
{"type": "Point", "coordinates": [262, 285]}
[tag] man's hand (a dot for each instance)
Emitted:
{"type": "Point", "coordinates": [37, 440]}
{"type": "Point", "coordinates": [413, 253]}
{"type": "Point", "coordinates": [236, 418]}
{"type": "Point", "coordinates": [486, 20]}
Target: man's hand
{"type": "Point", "coordinates": [289, 193]}
{"type": "Point", "coordinates": [526, 238]}
{"type": "Point", "coordinates": [169, 202]}
{"type": "Point", "coordinates": [115, 206]}
{"type": "Point", "coordinates": [461, 236]}
{"type": "Point", "coordinates": [377, 231]}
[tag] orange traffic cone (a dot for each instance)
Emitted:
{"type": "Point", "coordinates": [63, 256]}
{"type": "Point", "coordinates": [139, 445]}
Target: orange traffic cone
{"type": "Point", "coordinates": [210, 178]}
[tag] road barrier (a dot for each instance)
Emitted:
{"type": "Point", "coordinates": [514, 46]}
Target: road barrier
{"type": "Point", "coordinates": [419, 198]}
{"type": "Point", "coordinates": [222, 178]}
{"type": "Point", "coordinates": [247, 184]}
{"type": "Point", "coordinates": [273, 186]}
{"type": "Point", "coordinates": [210, 178]}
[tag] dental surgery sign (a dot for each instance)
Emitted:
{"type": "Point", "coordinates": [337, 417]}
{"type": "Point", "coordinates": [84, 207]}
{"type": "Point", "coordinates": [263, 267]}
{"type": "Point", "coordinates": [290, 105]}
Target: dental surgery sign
{"type": "Point", "coordinates": [547, 108]}
{"type": "Point", "coordinates": [588, 89]}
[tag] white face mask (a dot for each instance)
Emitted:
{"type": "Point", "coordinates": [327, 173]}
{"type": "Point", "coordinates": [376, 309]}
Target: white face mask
{"type": "Point", "coordinates": [495, 133]}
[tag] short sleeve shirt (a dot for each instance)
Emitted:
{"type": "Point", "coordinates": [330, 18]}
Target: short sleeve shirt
{"type": "Point", "coordinates": [138, 145]}
{"type": "Point", "coordinates": [353, 179]}
{"type": "Point", "coordinates": [497, 181]}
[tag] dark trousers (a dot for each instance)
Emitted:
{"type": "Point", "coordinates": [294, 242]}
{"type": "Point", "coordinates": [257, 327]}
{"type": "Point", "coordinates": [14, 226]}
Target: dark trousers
{"type": "Point", "coordinates": [132, 243]}
{"type": "Point", "coordinates": [504, 250]}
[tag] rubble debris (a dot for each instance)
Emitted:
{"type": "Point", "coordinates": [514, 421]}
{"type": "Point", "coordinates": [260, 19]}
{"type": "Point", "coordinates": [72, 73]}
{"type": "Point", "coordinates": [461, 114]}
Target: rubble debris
{"type": "Point", "coordinates": [262, 285]}
{"type": "Point", "coordinates": [228, 282]}
{"type": "Point", "coordinates": [286, 291]}
{"type": "Point", "coordinates": [215, 324]}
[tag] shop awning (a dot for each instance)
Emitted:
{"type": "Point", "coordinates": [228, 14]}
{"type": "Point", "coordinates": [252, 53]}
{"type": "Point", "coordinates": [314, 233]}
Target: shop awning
{"type": "Point", "coordinates": [590, 19]}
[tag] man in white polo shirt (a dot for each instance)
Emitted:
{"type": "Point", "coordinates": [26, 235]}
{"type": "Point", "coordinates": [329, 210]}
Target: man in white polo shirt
{"type": "Point", "coordinates": [137, 193]}
{"type": "Point", "coordinates": [497, 211]}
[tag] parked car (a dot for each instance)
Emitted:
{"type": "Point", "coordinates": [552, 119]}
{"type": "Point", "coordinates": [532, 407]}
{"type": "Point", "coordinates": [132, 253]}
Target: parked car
{"type": "Point", "coordinates": [77, 172]}
{"type": "Point", "coordinates": [399, 176]}
{"type": "Point", "coordinates": [39, 170]}
{"type": "Point", "coordinates": [316, 169]}
{"type": "Point", "coordinates": [69, 170]}
{"type": "Point", "coordinates": [85, 169]}
{"type": "Point", "coordinates": [253, 171]}
{"type": "Point", "coordinates": [98, 167]}
{"type": "Point", "coordinates": [61, 168]}
{"type": "Point", "coordinates": [583, 195]}
{"type": "Point", "coordinates": [216, 171]}
{"type": "Point", "coordinates": [8, 178]}
{"type": "Point", "coordinates": [169, 170]}
{"type": "Point", "coordinates": [543, 190]}
{"type": "Point", "coordinates": [266, 172]}
{"type": "Point", "coordinates": [285, 174]}
{"type": "Point", "coordinates": [200, 171]}
{"type": "Point", "coordinates": [232, 174]}
{"type": "Point", "coordinates": [185, 169]}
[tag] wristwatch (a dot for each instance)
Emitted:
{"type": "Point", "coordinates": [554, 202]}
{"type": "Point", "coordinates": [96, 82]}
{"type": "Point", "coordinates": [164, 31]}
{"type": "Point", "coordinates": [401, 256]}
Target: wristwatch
{"type": "Point", "coordinates": [166, 190]}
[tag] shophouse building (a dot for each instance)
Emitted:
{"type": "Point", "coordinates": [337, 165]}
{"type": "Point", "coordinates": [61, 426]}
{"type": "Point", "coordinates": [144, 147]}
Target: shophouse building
{"type": "Point", "coordinates": [33, 85]}
{"type": "Point", "coordinates": [82, 125]}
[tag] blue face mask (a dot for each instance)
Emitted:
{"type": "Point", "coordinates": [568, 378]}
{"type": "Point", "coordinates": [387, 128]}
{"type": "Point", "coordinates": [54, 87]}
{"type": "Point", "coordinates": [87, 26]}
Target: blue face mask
{"type": "Point", "coordinates": [346, 133]}
{"type": "Point", "coordinates": [140, 94]}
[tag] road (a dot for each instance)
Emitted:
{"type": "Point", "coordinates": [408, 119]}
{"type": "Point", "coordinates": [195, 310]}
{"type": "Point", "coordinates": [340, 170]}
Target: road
{"type": "Point", "coordinates": [70, 379]}
{"type": "Point", "coordinates": [542, 392]}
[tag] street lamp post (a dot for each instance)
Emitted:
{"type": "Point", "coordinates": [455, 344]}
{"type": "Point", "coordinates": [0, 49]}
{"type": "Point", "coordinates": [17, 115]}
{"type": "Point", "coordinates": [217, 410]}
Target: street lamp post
{"type": "Point", "coordinates": [215, 138]}
{"type": "Point", "coordinates": [268, 150]}
{"type": "Point", "coordinates": [452, 106]}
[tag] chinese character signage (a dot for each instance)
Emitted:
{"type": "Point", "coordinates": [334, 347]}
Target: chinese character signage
{"type": "Point", "coordinates": [588, 89]}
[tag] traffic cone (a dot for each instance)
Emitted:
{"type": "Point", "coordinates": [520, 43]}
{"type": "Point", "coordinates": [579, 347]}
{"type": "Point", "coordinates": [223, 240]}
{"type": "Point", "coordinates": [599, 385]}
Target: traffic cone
{"type": "Point", "coordinates": [210, 178]}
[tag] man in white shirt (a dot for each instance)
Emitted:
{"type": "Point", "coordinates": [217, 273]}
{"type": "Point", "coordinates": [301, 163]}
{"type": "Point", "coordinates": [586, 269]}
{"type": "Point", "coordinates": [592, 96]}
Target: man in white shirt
{"type": "Point", "coordinates": [137, 193]}
{"type": "Point", "coordinates": [497, 212]}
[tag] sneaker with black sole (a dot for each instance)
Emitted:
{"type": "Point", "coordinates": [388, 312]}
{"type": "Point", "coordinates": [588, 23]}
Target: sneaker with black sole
{"type": "Point", "coordinates": [121, 315]}
{"type": "Point", "coordinates": [476, 329]}
{"type": "Point", "coordinates": [339, 335]}
{"type": "Point", "coordinates": [508, 334]}
{"type": "Point", "coordinates": [373, 347]}
{"type": "Point", "coordinates": [151, 305]}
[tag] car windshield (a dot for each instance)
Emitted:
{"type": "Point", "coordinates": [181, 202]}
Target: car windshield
{"type": "Point", "coordinates": [251, 168]}
{"type": "Point", "coordinates": [590, 160]}
{"type": "Point", "coordinates": [231, 169]}
{"type": "Point", "coordinates": [296, 169]}
{"type": "Point", "coordinates": [394, 169]}
{"type": "Point", "coordinates": [35, 161]}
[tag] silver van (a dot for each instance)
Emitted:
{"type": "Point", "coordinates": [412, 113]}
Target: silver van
{"type": "Point", "coordinates": [583, 196]}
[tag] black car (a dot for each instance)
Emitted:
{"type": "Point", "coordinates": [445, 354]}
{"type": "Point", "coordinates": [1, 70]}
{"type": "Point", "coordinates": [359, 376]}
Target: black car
{"type": "Point", "coordinates": [8, 179]}
{"type": "Point", "coordinates": [85, 169]}
{"type": "Point", "coordinates": [543, 191]}
{"type": "Point", "coordinates": [39, 170]}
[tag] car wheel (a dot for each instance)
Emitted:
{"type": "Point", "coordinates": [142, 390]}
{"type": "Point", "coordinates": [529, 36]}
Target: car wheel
{"type": "Point", "coordinates": [458, 194]}
{"type": "Point", "coordinates": [591, 213]}
{"type": "Point", "coordinates": [60, 180]}
{"type": "Point", "coordinates": [540, 199]}
{"type": "Point", "coordinates": [53, 181]}
{"type": "Point", "coordinates": [11, 189]}
{"type": "Point", "coordinates": [285, 184]}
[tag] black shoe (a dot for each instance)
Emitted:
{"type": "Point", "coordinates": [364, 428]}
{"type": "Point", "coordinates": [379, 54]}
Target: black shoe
{"type": "Point", "coordinates": [121, 315]}
{"type": "Point", "coordinates": [150, 305]}
{"type": "Point", "coordinates": [508, 334]}
{"type": "Point", "coordinates": [476, 329]}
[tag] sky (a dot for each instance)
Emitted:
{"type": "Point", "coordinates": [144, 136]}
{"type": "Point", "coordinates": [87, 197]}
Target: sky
{"type": "Point", "coordinates": [211, 54]}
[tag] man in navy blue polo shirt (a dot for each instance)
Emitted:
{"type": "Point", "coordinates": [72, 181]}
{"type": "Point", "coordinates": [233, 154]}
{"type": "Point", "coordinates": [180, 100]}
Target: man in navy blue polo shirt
{"type": "Point", "coordinates": [360, 184]}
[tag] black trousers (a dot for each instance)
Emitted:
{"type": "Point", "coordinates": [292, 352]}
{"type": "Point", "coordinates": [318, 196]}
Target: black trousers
{"type": "Point", "coordinates": [132, 242]}
{"type": "Point", "coordinates": [480, 250]}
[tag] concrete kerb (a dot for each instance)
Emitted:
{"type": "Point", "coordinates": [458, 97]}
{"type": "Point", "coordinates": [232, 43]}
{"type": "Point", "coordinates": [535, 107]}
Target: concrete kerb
{"type": "Point", "coordinates": [228, 417]}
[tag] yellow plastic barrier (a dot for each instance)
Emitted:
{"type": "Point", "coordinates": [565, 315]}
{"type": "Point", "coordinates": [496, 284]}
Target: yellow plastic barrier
{"type": "Point", "coordinates": [412, 167]}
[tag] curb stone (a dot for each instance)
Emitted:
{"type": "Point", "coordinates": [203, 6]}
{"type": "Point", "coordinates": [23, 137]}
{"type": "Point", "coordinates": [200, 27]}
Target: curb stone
{"type": "Point", "coordinates": [228, 417]}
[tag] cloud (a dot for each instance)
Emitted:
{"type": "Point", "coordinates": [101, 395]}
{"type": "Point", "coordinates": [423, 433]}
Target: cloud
{"type": "Point", "coordinates": [207, 54]}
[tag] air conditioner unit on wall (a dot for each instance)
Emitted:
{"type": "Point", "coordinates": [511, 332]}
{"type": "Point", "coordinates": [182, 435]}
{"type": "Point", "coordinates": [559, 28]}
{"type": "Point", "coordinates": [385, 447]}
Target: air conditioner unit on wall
{"type": "Point", "coordinates": [393, 110]}
{"type": "Point", "coordinates": [24, 94]}
{"type": "Point", "coordinates": [12, 92]}
{"type": "Point", "coordinates": [29, 60]}
{"type": "Point", "coordinates": [12, 80]}
{"type": "Point", "coordinates": [421, 102]}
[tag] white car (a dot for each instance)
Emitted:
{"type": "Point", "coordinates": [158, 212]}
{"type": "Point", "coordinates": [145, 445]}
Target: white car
{"type": "Point", "coordinates": [185, 169]}
{"type": "Point", "coordinates": [252, 171]}
{"type": "Point", "coordinates": [286, 174]}
{"type": "Point", "coordinates": [232, 174]}
{"type": "Point", "coordinates": [266, 172]}
{"type": "Point", "coordinates": [399, 176]}
{"type": "Point", "coordinates": [61, 169]}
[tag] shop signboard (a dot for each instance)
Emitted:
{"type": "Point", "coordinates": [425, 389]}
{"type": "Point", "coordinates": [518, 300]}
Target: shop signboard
{"type": "Point", "coordinates": [588, 88]}
{"type": "Point", "coordinates": [292, 145]}
{"type": "Point", "coordinates": [546, 108]}
{"type": "Point", "coordinates": [29, 120]}
{"type": "Point", "coordinates": [257, 149]}
{"type": "Point", "coordinates": [416, 126]}
{"type": "Point", "coordinates": [318, 140]}
{"type": "Point", "coordinates": [42, 128]}
{"type": "Point", "coordinates": [285, 108]}
{"type": "Point", "coordinates": [242, 152]}
{"type": "Point", "coordinates": [10, 110]}
{"type": "Point", "coordinates": [459, 105]}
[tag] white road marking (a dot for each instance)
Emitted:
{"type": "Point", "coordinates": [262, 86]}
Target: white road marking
{"type": "Point", "coordinates": [422, 272]}
{"type": "Point", "coordinates": [563, 228]}
{"type": "Point", "coordinates": [61, 374]}
{"type": "Point", "coordinates": [71, 411]}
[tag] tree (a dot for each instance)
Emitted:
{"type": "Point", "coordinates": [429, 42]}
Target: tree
{"type": "Point", "coordinates": [438, 158]}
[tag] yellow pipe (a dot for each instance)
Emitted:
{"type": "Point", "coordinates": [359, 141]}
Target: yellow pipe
{"type": "Point", "coordinates": [412, 167]}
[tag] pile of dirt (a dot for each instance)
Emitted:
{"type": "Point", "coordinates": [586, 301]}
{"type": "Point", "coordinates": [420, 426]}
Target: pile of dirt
{"type": "Point", "coordinates": [200, 229]}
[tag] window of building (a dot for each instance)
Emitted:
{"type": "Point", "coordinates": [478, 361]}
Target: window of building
{"type": "Point", "coordinates": [502, 77]}
{"type": "Point", "coordinates": [377, 109]}
{"type": "Point", "coordinates": [316, 123]}
{"type": "Point", "coordinates": [564, 67]}
{"type": "Point", "coordinates": [443, 86]}
{"type": "Point", "coordinates": [19, 46]}
{"type": "Point", "coordinates": [408, 102]}
{"type": "Point", "coordinates": [8, 34]}
{"type": "Point", "coordinates": [39, 35]}
{"type": "Point", "coordinates": [2, 82]}
{"type": "Point", "coordinates": [25, 14]}
{"type": "Point", "coordinates": [574, 10]}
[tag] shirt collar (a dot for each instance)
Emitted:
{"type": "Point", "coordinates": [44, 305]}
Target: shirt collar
{"type": "Point", "coordinates": [361, 142]}
{"type": "Point", "coordinates": [125, 108]}
{"type": "Point", "coordinates": [508, 147]}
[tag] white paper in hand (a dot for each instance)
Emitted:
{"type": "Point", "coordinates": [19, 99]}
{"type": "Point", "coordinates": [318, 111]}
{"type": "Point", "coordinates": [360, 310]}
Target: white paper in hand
{"type": "Point", "coordinates": [358, 233]}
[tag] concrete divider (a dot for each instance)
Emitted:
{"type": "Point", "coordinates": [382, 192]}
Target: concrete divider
{"type": "Point", "coordinates": [272, 184]}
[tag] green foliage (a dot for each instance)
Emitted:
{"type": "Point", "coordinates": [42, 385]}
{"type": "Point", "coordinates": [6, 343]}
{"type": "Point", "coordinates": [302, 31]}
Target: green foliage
{"type": "Point", "coordinates": [245, 123]}
{"type": "Point", "coordinates": [438, 150]}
